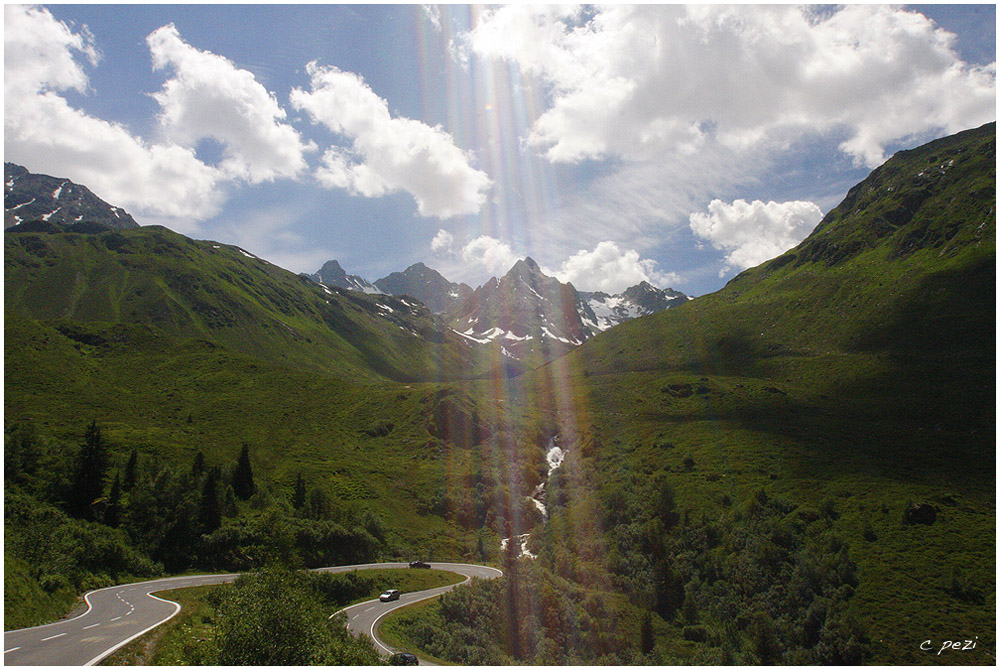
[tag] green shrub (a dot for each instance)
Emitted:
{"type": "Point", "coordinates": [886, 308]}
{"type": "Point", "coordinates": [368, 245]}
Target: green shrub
{"type": "Point", "coordinates": [273, 617]}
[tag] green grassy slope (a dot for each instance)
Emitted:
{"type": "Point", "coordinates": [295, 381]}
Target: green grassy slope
{"type": "Point", "coordinates": [857, 371]}
{"type": "Point", "coordinates": [369, 445]}
{"type": "Point", "coordinates": [904, 265]}
{"type": "Point", "coordinates": [194, 289]}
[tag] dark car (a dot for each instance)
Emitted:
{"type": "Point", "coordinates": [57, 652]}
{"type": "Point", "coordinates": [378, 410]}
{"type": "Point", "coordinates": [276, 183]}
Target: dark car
{"type": "Point", "coordinates": [419, 564]}
{"type": "Point", "coordinates": [403, 659]}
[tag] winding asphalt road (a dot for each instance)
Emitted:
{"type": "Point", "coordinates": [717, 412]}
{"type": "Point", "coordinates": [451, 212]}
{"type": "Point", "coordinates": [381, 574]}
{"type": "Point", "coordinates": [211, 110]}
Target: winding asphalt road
{"type": "Point", "coordinates": [116, 615]}
{"type": "Point", "coordinates": [364, 618]}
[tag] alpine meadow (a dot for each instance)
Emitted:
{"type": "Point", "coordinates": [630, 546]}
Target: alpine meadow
{"type": "Point", "coordinates": [796, 466]}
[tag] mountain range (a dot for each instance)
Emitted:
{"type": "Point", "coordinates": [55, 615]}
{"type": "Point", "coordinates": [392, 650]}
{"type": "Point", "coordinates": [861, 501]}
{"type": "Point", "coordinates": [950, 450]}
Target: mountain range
{"type": "Point", "coordinates": [530, 316]}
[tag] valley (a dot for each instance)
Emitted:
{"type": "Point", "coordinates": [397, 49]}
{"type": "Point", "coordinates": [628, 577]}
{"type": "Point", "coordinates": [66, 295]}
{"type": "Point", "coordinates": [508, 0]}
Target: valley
{"type": "Point", "coordinates": [727, 479]}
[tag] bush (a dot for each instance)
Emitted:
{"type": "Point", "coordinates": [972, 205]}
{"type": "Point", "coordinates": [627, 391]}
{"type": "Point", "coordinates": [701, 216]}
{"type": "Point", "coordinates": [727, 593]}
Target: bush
{"type": "Point", "coordinates": [695, 633]}
{"type": "Point", "coordinates": [960, 586]}
{"type": "Point", "coordinates": [379, 429]}
{"type": "Point", "coordinates": [273, 617]}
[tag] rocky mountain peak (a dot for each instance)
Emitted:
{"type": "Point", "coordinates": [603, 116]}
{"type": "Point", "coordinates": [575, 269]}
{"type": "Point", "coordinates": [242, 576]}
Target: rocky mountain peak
{"type": "Point", "coordinates": [426, 285]}
{"type": "Point", "coordinates": [54, 204]}
{"type": "Point", "coordinates": [332, 274]}
{"type": "Point", "coordinates": [332, 270]}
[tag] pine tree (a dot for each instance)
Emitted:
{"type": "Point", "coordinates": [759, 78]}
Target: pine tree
{"type": "Point", "coordinates": [89, 473]}
{"type": "Point", "coordinates": [209, 507]}
{"type": "Point", "coordinates": [20, 452]}
{"type": "Point", "coordinates": [130, 471]}
{"type": "Point", "coordinates": [647, 641]}
{"type": "Point", "coordinates": [197, 466]}
{"type": "Point", "coordinates": [299, 495]}
{"type": "Point", "coordinates": [243, 485]}
{"type": "Point", "coordinates": [317, 506]}
{"type": "Point", "coordinates": [112, 513]}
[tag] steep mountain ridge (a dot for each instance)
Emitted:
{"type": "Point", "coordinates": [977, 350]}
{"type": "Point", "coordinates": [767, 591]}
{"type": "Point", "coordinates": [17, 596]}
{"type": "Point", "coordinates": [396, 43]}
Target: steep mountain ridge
{"type": "Point", "coordinates": [426, 285]}
{"type": "Point", "coordinates": [639, 300]}
{"type": "Point", "coordinates": [530, 315]}
{"type": "Point", "coordinates": [331, 274]}
{"type": "Point", "coordinates": [911, 245]}
{"type": "Point", "coordinates": [51, 203]}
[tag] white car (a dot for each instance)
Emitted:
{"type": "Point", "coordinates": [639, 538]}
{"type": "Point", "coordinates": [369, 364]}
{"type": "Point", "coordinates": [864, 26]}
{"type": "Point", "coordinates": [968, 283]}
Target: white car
{"type": "Point", "coordinates": [391, 594]}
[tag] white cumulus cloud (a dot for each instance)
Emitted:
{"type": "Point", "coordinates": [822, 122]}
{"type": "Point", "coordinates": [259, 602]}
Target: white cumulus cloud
{"type": "Point", "coordinates": [645, 81]}
{"type": "Point", "coordinates": [43, 132]}
{"type": "Point", "coordinates": [388, 154]}
{"type": "Point", "coordinates": [40, 53]}
{"type": "Point", "coordinates": [209, 97]}
{"type": "Point", "coordinates": [493, 255]}
{"type": "Point", "coordinates": [753, 232]}
{"type": "Point", "coordinates": [607, 268]}
{"type": "Point", "coordinates": [443, 242]}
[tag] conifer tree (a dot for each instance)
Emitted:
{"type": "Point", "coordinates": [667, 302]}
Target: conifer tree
{"type": "Point", "coordinates": [647, 641]}
{"type": "Point", "coordinates": [209, 507]}
{"type": "Point", "coordinates": [21, 452]}
{"type": "Point", "coordinates": [130, 470]}
{"type": "Point", "coordinates": [243, 485]}
{"type": "Point", "coordinates": [299, 495]}
{"type": "Point", "coordinates": [197, 466]}
{"type": "Point", "coordinates": [112, 513]}
{"type": "Point", "coordinates": [481, 549]}
{"type": "Point", "coordinates": [89, 473]}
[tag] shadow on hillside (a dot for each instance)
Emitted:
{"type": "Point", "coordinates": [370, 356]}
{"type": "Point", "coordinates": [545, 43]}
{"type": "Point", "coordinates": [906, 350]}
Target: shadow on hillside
{"type": "Point", "coordinates": [951, 313]}
{"type": "Point", "coordinates": [917, 423]}
{"type": "Point", "coordinates": [930, 414]}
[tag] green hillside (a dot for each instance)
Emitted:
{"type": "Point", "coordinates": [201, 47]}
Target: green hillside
{"type": "Point", "coordinates": [183, 352]}
{"type": "Point", "coordinates": [195, 289]}
{"type": "Point", "coordinates": [904, 264]}
{"type": "Point", "coordinates": [851, 378]}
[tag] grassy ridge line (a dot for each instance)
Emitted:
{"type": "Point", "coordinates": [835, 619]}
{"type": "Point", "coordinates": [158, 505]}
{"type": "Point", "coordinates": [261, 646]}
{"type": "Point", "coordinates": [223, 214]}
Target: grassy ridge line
{"type": "Point", "coordinates": [174, 642]}
{"type": "Point", "coordinates": [193, 289]}
{"type": "Point", "coordinates": [903, 265]}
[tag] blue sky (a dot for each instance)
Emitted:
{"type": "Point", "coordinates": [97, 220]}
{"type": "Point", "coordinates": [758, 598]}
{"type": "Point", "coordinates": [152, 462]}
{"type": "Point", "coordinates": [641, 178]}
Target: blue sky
{"type": "Point", "coordinates": [612, 144]}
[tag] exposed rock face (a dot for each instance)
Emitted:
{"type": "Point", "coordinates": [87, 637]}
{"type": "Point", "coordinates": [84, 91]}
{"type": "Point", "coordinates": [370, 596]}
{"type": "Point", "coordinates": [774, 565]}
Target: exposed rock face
{"type": "Point", "coordinates": [523, 311]}
{"type": "Point", "coordinates": [51, 204]}
{"type": "Point", "coordinates": [527, 312]}
{"type": "Point", "coordinates": [426, 285]}
{"type": "Point", "coordinates": [636, 301]}
{"type": "Point", "coordinates": [332, 274]}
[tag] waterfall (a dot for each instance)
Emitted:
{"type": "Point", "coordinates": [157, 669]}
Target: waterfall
{"type": "Point", "coordinates": [554, 456]}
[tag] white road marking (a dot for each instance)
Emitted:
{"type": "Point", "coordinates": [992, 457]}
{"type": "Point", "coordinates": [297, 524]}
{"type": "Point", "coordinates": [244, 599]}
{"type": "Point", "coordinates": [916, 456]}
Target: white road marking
{"type": "Point", "coordinates": [108, 652]}
{"type": "Point", "coordinates": [91, 626]}
{"type": "Point", "coordinates": [7, 651]}
{"type": "Point", "coordinates": [156, 585]}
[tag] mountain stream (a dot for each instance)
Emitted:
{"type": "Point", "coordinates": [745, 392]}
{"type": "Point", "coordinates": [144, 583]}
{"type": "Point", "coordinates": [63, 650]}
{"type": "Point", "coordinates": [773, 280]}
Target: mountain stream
{"type": "Point", "coordinates": [554, 457]}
